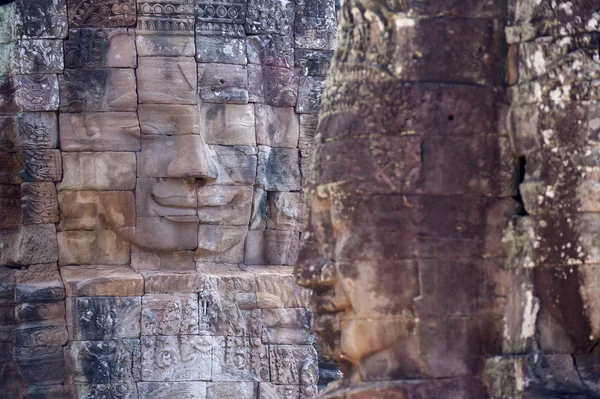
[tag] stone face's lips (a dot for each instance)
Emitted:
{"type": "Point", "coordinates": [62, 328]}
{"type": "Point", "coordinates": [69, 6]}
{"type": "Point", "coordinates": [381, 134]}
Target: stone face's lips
{"type": "Point", "coordinates": [175, 201]}
{"type": "Point", "coordinates": [183, 219]}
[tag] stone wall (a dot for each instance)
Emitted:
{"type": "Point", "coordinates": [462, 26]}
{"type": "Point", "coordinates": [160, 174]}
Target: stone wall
{"type": "Point", "coordinates": [152, 157]}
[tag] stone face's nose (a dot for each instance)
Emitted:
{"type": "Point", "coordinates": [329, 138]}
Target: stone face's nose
{"type": "Point", "coordinates": [193, 158]}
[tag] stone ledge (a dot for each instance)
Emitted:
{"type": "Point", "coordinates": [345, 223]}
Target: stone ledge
{"type": "Point", "coordinates": [102, 280]}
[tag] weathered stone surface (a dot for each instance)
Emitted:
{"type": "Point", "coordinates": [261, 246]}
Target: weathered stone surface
{"type": "Point", "coordinates": [10, 166]}
{"type": "Point", "coordinates": [42, 364]}
{"type": "Point", "coordinates": [11, 216]}
{"type": "Point", "coordinates": [241, 390]}
{"type": "Point", "coordinates": [276, 126]}
{"type": "Point", "coordinates": [40, 311]}
{"type": "Point", "coordinates": [168, 261]}
{"type": "Point", "coordinates": [167, 80]}
{"type": "Point", "coordinates": [101, 171]}
{"type": "Point", "coordinates": [112, 361]}
{"type": "Point", "coordinates": [275, 289]}
{"type": "Point", "coordinates": [39, 283]}
{"type": "Point", "coordinates": [34, 57]}
{"type": "Point", "coordinates": [225, 50]}
{"type": "Point", "coordinates": [231, 359]}
{"type": "Point", "coordinates": [272, 50]}
{"type": "Point", "coordinates": [309, 94]}
{"type": "Point", "coordinates": [228, 124]}
{"type": "Point", "coordinates": [225, 205]}
{"type": "Point", "coordinates": [286, 211]}
{"type": "Point", "coordinates": [104, 14]}
{"type": "Point", "coordinates": [220, 13]}
{"type": "Point", "coordinates": [90, 210]}
{"type": "Point", "coordinates": [176, 358]}
{"type": "Point", "coordinates": [223, 83]}
{"type": "Point", "coordinates": [39, 203]}
{"type": "Point", "coordinates": [272, 85]}
{"type": "Point", "coordinates": [236, 166]}
{"type": "Point", "coordinates": [175, 156]}
{"type": "Point", "coordinates": [166, 30]}
{"type": "Point", "coordinates": [124, 390]}
{"type": "Point", "coordinates": [38, 19]}
{"type": "Point", "coordinates": [29, 245]}
{"type": "Point", "coordinates": [169, 281]}
{"type": "Point", "coordinates": [37, 92]}
{"type": "Point", "coordinates": [46, 333]}
{"type": "Point", "coordinates": [41, 165]}
{"type": "Point", "coordinates": [269, 390]}
{"type": "Point", "coordinates": [165, 197]}
{"type": "Point", "coordinates": [167, 119]}
{"type": "Point", "coordinates": [169, 314]}
{"type": "Point", "coordinates": [270, 17]}
{"type": "Point", "coordinates": [167, 233]}
{"type": "Point", "coordinates": [98, 89]}
{"type": "Point", "coordinates": [286, 326]}
{"type": "Point", "coordinates": [96, 247]}
{"type": "Point", "coordinates": [287, 363]}
{"type": "Point", "coordinates": [106, 131]}
{"type": "Point", "coordinates": [221, 244]}
{"type": "Point", "coordinates": [37, 130]}
{"type": "Point", "coordinates": [44, 391]}
{"type": "Point", "coordinates": [258, 218]}
{"type": "Point", "coordinates": [167, 390]}
{"type": "Point", "coordinates": [102, 318]}
{"type": "Point", "coordinates": [272, 247]}
{"type": "Point", "coordinates": [314, 26]}
{"type": "Point", "coordinates": [308, 127]}
{"type": "Point", "coordinates": [278, 169]}
{"type": "Point", "coordinates": [101, 281]}
{"type": "Point", "coordinates": [98, 47]}
{"type": "Point", "coordinates": [312, 62]}
{"type": "Point", "coordinates": [9, 138]}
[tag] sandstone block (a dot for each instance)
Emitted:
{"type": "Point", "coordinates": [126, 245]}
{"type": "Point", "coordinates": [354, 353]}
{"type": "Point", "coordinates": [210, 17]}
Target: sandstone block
{"type": "Point", "coordinates": [258, 218]}
{"type": "Point", "coordinates": [37, 92]}
{"type": "Point", "coordinates": [102, 171]}
{"type": "Point", "coordinates": [44, 391]}
{"type": "Point", "coordinates": [168, 119]}
{"type": "Point", "coordinates": [9, 137]}
{"type": "Point", "coordinates": [312, 62]}
{"type": "Point", "coordinates": [106, 131]}
{"type": "Point", "coordinates": [168, 261]}
{"type": "Point", "coordinates": [275, 17]}
{"type": "Point", "coordinates": [278, 169]}
{"type": "Point", "coordinates": [112, 14]}
{"type": "Point", "coordinates": [11, 215]}
{"type": "Point", "coordinates": [124, 390]}
{"type": "Point", "coordinates": [89, 210]}
{"type": "Point", "coordinates": [309, 94]}
{"type": "Point", "coordinates": [39, 203]}
{"type": "Point", "coordinates": [46, 333]}
{"type": "Point", "coordinates": [33, 57]}
{"type": "Point", "coordinates": [286, 326]}
{"type": "Point", "coordinates": [44, 364]}
{"type": "Point", "coordinates": [288, 364]}
{"type": "Point", "coordinates": [231, 359]}
{"type": "Point", "coordinates": [113, 361]}
{"type": "Point", "coordinates": [276, 126]}
{"type": "Point", "coordinates": [103, 318]}
{"type": "Point", "coordinates": [234, 13]}
{"type": "Point", "coordinates": [165, 31]}
{"type": "Point", "coordinates": [41, 165]}
{"type": "Point", "coordinates": [272, 247]}
{"type": "Point", "coordinates": [228, 124]}
{"type": "Point", "coordinates": [98, 47]}
{"type": "Point", "coordinates": [176, 358]}
{"type": "Point", "coordinates": [163, 390]}
{"type": "Point", "coordinates": [236, 166]}
{"type": "Point", "coordinates": [77, 247]}
{"type": "Point", "coordinates": [175, 156]}
{"type": "Point", "coordinates": [169, 314]}
{"type": "Point", "coordinates": [98, 90]}
{"type": "Point", "coordinates": [272, 85]}
{"type": "Point", "coordinates": [37, 130]}
{"type": "Point", "coordinates": [224, 49]}
{"type": "Point", "coordinates": [225, 205]}
{"type": "Point", "coordinates": [101, 281]}
{"type": "Point", "coordinates": [152, 44]}
{"type": "Point", "coordinates": [238, 390]}
{"type": "Point", "coordinates": [276, 289]}
{"type": "Point", "coordinates": [41, 19]}
{"type": "Point", "coordinates": [165, 197]}
{"type": "Point", "coordinates": [39, 283]}
{"type": "Point", "coordinates": [286, 211]}
{"type": "Point", "coordinates": [271, 50]}
{"type": "Point", "coordinates": [269, 390]}
{"type": "Point", "coordinates": [221, 244]}
{"type": "Point", "coordinates": [40, 311]}
{"type": "Point", "coordinates": [167, 80]}
{"type": "Point", "coordinates": [223, 83]}
{"type": "Point", "coordinates": [314, 26]}
{"type": "Point", "coordinates": [172, 233]}
{"type": "Point", "coordinates": [172, 281]}
{"type": "Point", "coordinates": [308, 127]}
{"type": "Point", "coordinates": [31, 244]}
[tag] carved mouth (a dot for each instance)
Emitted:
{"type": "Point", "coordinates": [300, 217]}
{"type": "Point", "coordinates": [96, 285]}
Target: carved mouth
{"type": "Point", "coordinates": [175, 201]}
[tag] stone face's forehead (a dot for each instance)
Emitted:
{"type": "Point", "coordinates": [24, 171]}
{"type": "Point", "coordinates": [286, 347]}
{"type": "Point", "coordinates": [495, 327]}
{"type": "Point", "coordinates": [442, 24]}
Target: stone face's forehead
{"type": "Point", "coordinates": [152, 157]}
